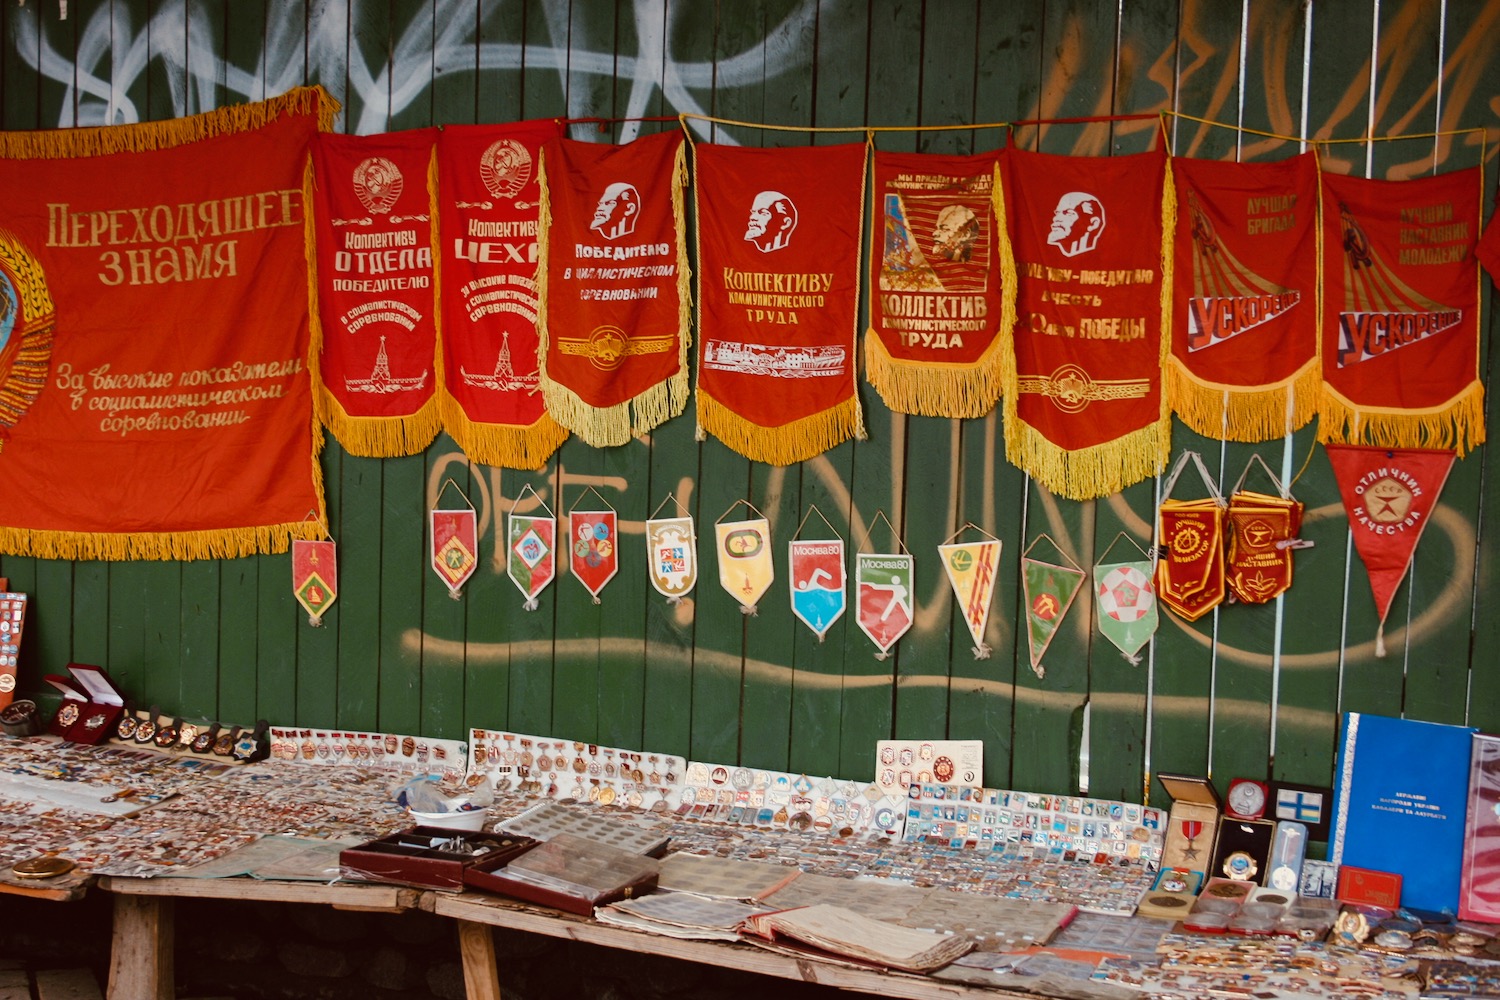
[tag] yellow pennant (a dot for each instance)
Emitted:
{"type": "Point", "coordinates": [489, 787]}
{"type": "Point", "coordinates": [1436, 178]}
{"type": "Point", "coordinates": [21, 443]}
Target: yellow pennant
{"type": "Point", "coordinates": [971, 568]}
{"type": "Point", "coordinates": [745, 566]}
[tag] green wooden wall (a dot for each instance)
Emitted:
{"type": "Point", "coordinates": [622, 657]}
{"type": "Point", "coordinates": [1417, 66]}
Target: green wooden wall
{"type": "Point", "coordinates": [1252, 691]}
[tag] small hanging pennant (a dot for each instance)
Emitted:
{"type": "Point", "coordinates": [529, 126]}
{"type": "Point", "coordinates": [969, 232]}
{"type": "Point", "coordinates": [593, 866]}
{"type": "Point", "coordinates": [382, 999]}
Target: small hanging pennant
{"type": "Point", "coordinates": [1048, 590]}
{"type": "Point", "coordinates": [883, 585]}
{"type": "Point", "coordinates": [315, 576]}
{"type": "Point", "coordinates": [594, 550]}
{"type": "Point", "coordinates": [816, 569]}
{"type": "Point", "coordinates": [971, 568]}
{"type": "Point", "coordinates": [531, 543]}
{"type": "Point", "coordinates": [672, 553]}
{"type": "Point", "coordinates": [745, 566]}
{"type": "Point", "coordinates": [455, 541]}
{"type": "Point", "coordinates": [1127, 601]}
{"type": "Point", "coordinates": [1262, 536]}
{"type": "Point", "coordinates": [1190, 539]}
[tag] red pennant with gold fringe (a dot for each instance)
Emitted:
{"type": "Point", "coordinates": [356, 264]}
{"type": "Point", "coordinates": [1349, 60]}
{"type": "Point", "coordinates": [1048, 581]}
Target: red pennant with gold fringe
{"type": "Point", "coordinates": [489, 203]}
{"type": "Point", "coordinates": [374, 330]}
{"type": "Point", "coordinates": [778, 253]}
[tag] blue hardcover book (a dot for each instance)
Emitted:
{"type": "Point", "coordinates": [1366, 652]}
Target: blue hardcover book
{"type": "Point", "coordinates": [1401, 794]}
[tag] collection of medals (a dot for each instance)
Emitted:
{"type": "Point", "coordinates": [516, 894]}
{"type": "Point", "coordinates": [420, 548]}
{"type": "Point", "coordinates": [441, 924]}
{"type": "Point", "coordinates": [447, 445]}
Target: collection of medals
{"type": "Point", "coordinates": [151, 730]}
{"type": "Point", "coordinates": [383, 751]}
{"type": "Point", "coordinates": [570, 769]}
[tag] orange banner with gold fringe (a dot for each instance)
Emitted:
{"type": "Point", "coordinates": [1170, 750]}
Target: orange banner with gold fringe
{"type": "Point", "coordinates": [488, 207]}
{"type": "Point", "coordinates": [779, 262]}
{"type": "Point", "coordinates": [1085, 414]}
{"type": "Point", "coordinates": [1401, 312]}
{"type": "Point", "coordinates": [173, 417]}
{"type": "Point", "coordinates": [374, 333]}
{"type": "Point", "coordinates": [1244, 362]}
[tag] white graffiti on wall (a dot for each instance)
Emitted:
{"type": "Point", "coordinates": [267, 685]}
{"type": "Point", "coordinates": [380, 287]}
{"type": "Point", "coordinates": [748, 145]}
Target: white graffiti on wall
{"type": "Point", "coordinates": [114, 54]}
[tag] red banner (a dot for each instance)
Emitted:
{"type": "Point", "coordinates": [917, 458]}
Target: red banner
{"type": "Point", "coordinates": [1084, 410]}
{"type": "Point", "coordinates": [936, 298]}
{"type": "Point", "coordinates": [1244, 313]}
{"type": "Point", "coordinates": [615, 302]}
{"type": "Point", "coordinates": [489, 204]}
{"type": "Point", "coordinates": [373, 330]}
{"type": "Point", "coordinates": [175, 417]}
{"type": "Point", "coordinates": [1401, 312]}
{"type": "Point", "coordinates": [778, 256]}
{"type": "Point", "coordinates": [1389, 495]}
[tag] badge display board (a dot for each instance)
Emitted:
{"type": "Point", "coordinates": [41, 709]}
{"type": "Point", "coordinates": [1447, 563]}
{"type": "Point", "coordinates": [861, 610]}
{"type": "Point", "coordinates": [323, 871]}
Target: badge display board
{"type": "Point", "coordinates": [12, 623]}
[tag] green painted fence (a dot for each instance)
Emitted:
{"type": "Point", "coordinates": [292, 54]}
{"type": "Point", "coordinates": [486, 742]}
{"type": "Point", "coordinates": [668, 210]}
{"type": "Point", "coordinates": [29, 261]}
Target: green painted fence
{"type": "Point", "coordinates": [1253, 691]}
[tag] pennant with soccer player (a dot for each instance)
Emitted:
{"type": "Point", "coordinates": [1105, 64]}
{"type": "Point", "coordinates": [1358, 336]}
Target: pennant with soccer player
{"type": "Point", "coordinates": [883, 585]}
{"type": "Point", "coordinates": [1190, 545]}
{"type": "Point", "coordinates": [315, 576]}
{"type": "Point", "coordinates": [1126, 599]}
{"type": "Point", "coordinates": [1085, 414]}
{"type": "Point", "coordinates": [936, 292]}
{"type": "Point", "coordinates": [778, 280]}
{"type": "Point", "coordinates": [374, 332]}
{"type": "Point", "coordinates": [971, 569]}
{"type": "Point", "coordinates": [1389, 495]}
{"type": "Point", "coordinates": [594, 556]}
{"type": "Point", "coordinates": [745, 565]}
{"type": "Point", "coordinates": [1263, 531]}
{"type": "Point", "coordinates": [816, 575]}
{"type": "Point", "coordinates": [1401, 312]}
{"type": "Point", "coordinates": [672, 554]}
{"type": "Point", "coordinates": [614, 286]}
{"type": "Point", "coordinates": [1048, 590]}
{"type": "Point", "coordinates": [455, 547]}
{"type": "Point", "coordinates": [488, 206]}
{"type": "Point", "coordinates": [531, 549]}
{"type": "Point", "coordinates": [1244, 340]}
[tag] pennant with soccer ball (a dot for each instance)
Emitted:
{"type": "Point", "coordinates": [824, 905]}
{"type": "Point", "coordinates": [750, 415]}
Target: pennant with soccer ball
{"type": "Point", "coordinates": [1048, 589]}
{"type": "Point", "coordinates": [315, 576]}
{"type": "Point", "coordinates": [816, 569]}
{"type": "Point", "coordinates": [531, 544]}
{"type": "Point", "coordinates": [745, 565]}
{"type": "Point", "coordinates": [883, 586]}
{"type": "Point", "coordinates": [1262, 535]}
{"type": "Point", "coordinates": [971, 569]}
{"type": "Point", "coordinates": [455, 542]}
{"type": "Point", "coordinates": [1190, 540]}
{"type": "Point", "coordinates": [1389, 495]}
{"type": "Point", "coordinates": [1126, 599]}
{"type": "Point", "coordinates": [594, 552]}
{"type": "Point", "coordinates": [672, 553]}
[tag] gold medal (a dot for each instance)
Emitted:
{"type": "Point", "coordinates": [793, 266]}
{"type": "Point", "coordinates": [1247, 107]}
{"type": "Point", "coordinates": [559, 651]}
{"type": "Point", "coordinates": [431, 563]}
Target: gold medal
{"type": "Point", "coordinates": [43, 866]}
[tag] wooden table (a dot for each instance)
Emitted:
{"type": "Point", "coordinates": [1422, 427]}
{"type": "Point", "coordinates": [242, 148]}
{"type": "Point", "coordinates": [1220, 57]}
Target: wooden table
{"type": "Point", "coordinates": [141, 954]}
{"type": "Point", "coordinates": [477, 913]}
{"type": "Point", "coordinates": [60, 889]}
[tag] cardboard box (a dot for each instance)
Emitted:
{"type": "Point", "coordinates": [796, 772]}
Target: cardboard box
{"type": "Point", "coordinates": [430, 856]}
{"type": "Point", "coordinates": [90, 707]}
{"type": "Point", "coordinates": [1192, 824]}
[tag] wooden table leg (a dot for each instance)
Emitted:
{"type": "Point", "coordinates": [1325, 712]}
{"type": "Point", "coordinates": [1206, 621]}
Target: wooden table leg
{"type": "Point", "coordinates": [141, 955]}
{"type": "Point", "coordinates": [476, 943]}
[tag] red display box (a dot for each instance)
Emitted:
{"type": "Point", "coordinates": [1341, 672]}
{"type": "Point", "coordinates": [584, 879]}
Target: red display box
{"type": "Point", "coordinates": [430, 856]}
{"type": "Point", "coordinates": [91, 704]}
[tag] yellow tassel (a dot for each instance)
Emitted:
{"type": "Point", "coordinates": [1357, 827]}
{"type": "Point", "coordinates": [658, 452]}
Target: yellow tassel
{"type": "Point", "coordinates": [931, 388]}
{"type": "Point", "coordinates": [1240, 413]}
{"type": "Point", "coordinates": [227, 543]}
{"type": "Point", "coordinates": [1087, 473]}
{"type": "Point", "coordinates": [1008, 282]}
{"type": "Point", "coordinates": [53, 144]}
{"type": "Point", "coordinates": [1457, 424]}
{"type": "Point", "coordinates": [784, 445]}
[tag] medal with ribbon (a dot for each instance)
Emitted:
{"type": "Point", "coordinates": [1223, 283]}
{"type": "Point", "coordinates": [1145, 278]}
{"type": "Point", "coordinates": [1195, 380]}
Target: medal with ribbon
{"type": "Point", "coordinates": [531, 548]}
{"type": "Point", "coordinates": [593, 545]}
{"type": "Point", "coordinates": [817, 578]}
{"type": "Point", "coordinates": [315, 575]}
{"type": "Point", "coordinates": [1048, 589]}
{"type": "Point", "coordinates": [455, 541]}
{"type": "Point", "coordinates": [883, 586]}
{"type": "Point", "coordinates": [1262, 535]}
{"type": "Point", "coordinates": [1126, 599]}
{"type": "Point", "coordinates": [971, 569]}
{"type": "Point", "coordinates": [672, 552]}
{"type": "Point", "coordinates": [1190, 546]}
{"type": "Point", "coordinates": [745, 566]}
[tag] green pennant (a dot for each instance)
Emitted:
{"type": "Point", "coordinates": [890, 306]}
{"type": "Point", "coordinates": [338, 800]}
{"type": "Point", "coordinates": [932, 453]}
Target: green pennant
{"type": "Point", "coordinates": [1127, 604]}
{"type": "Point", "coordinates": [1049, 590]}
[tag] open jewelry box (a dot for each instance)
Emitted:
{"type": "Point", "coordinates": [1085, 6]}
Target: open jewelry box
{"type": "Point", "coordinates": [431, 857]}
{"type": "Point", "coordinates": [91, 704]}
{"type": "Point", "coordinates": [1192, 824]}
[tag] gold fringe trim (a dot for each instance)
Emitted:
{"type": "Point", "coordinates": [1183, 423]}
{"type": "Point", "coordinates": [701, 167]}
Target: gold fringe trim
{"type": "Point", "coordinates": [608, 426]}
{"type": "Point", "coordinates": [784, 445]}
{"type": "Point", "coordinates": [934, 388]}
{"type": "Point", "coordinates": [225, 543]}
{"type": "Point", "coordinates": [1242, 413]}
{"type": "Point", "coordinates": [1457, 424]}
{"type": "Point", "coordinates": [62, 143]}
{"type": "Point", "coordinates": [1088, 473]}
